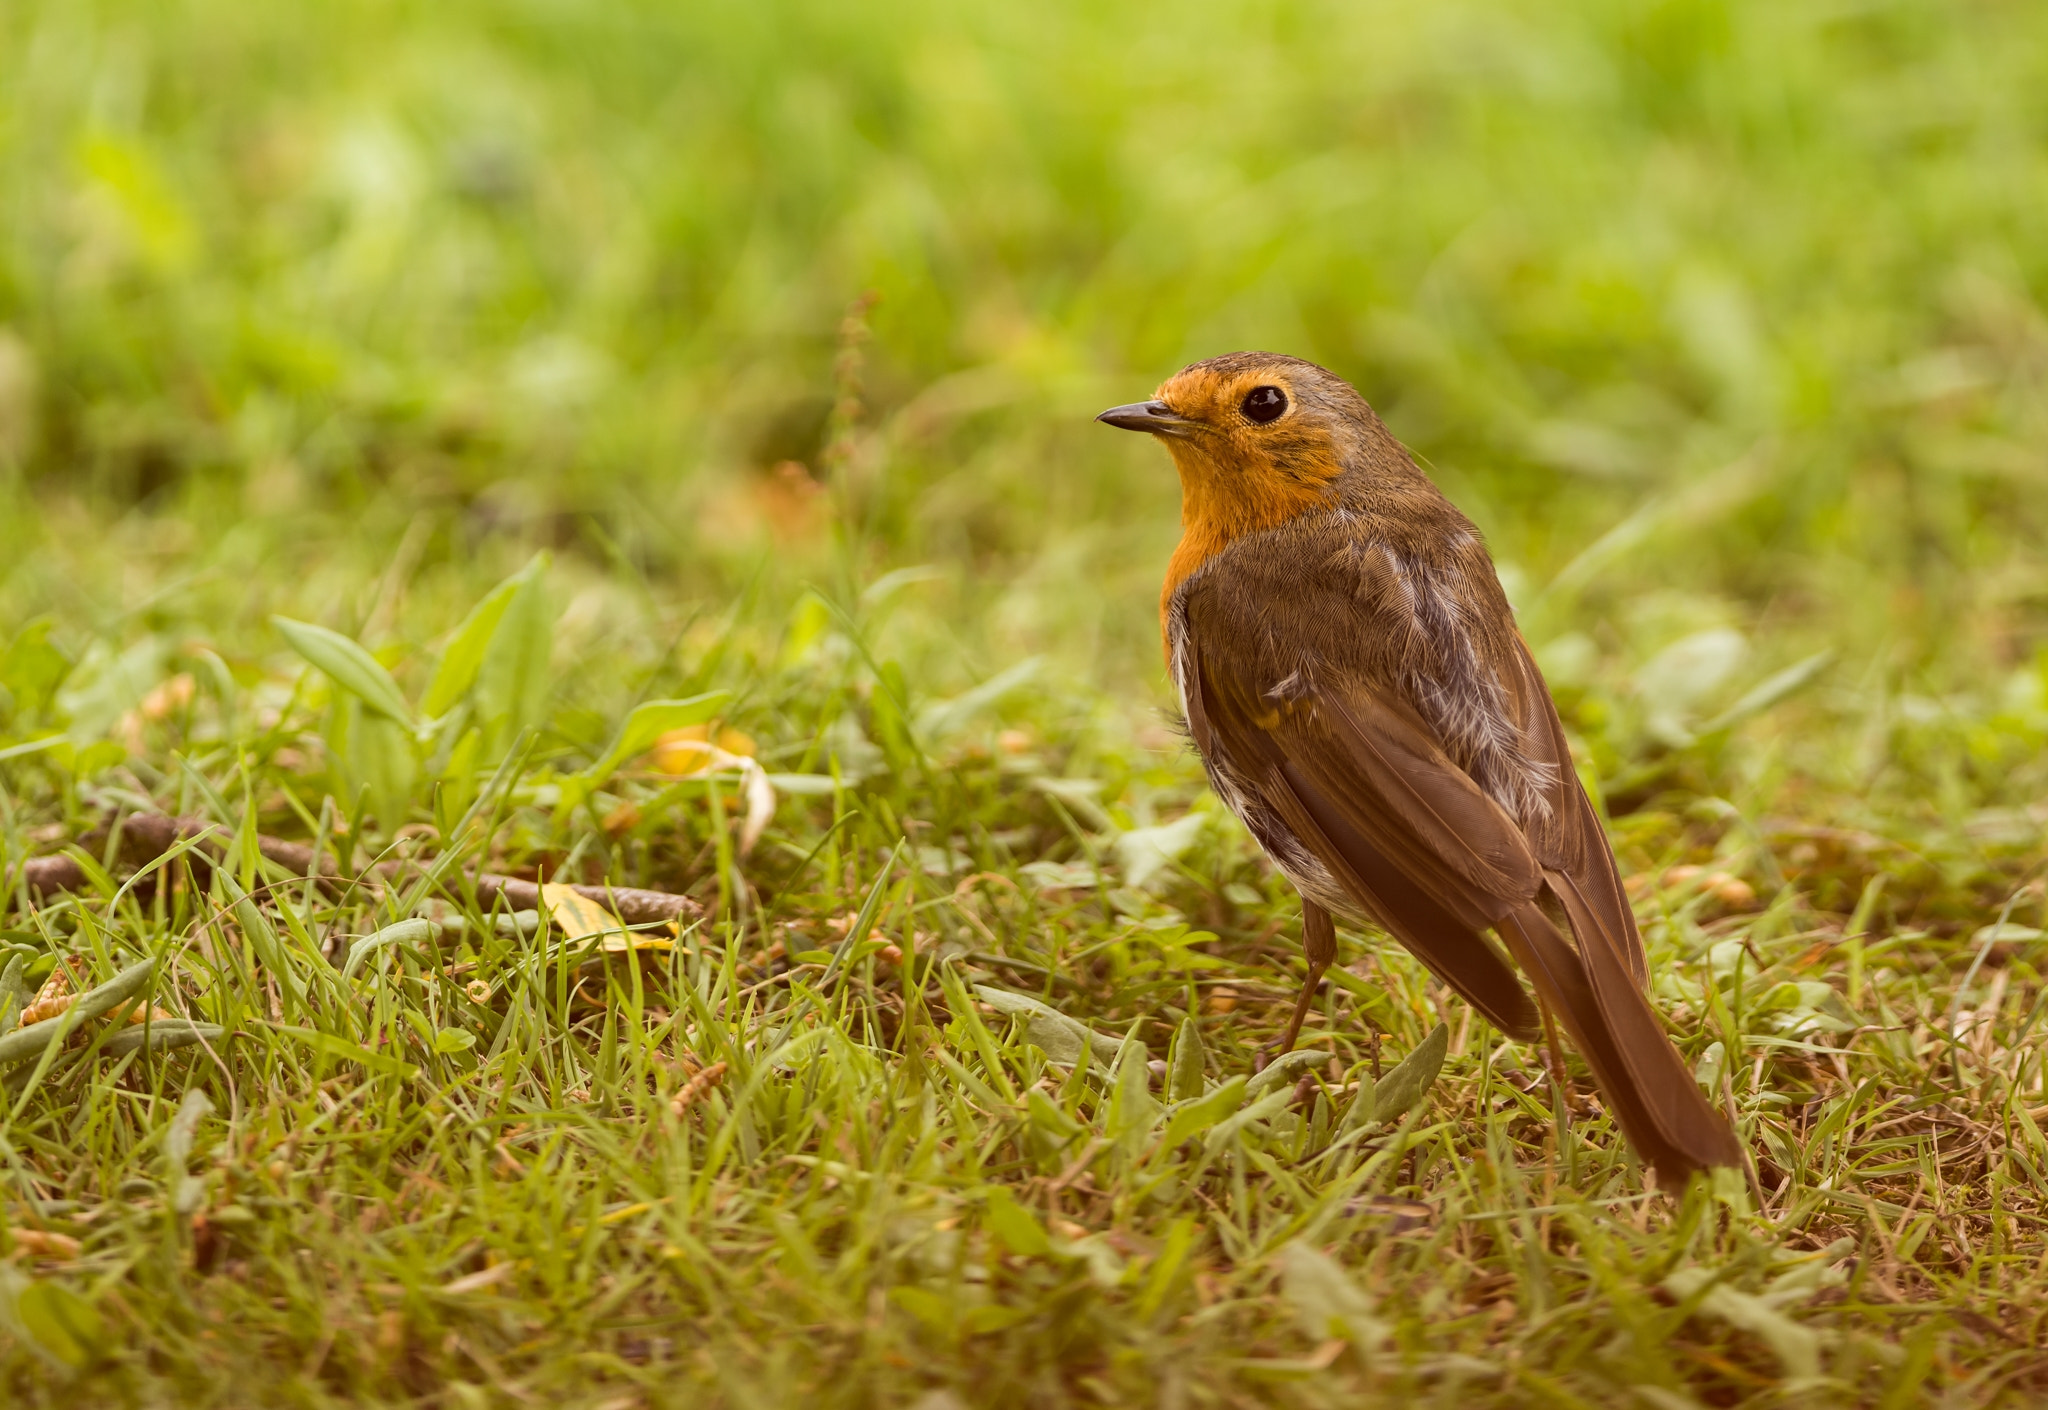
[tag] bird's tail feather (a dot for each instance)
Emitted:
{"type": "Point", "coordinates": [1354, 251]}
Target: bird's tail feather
{"type": "Point", "coordinates": [1645, 1082]}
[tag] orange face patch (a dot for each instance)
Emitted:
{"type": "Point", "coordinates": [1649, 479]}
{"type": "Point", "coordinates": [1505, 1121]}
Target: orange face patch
{"type": "Point", "coordinates": [1238, 475]}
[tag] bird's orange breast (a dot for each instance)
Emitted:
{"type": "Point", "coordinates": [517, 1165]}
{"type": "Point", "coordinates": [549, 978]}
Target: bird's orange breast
{"type": "Point", "coordinates": [1219, 506]}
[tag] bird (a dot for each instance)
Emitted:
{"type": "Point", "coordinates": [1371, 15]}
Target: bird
{"type": "Point", "coordinates": [1353, 677]}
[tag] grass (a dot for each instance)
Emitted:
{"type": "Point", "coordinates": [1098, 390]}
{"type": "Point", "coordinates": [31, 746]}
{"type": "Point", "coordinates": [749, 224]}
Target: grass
{"type": "Point", "coordinates": [572, 362]}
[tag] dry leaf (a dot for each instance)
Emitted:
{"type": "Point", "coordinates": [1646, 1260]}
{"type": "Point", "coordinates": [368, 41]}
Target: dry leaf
{"type": "Point", "coordinates": [692, 750]}
{"type": "Point", "coordinates": [40, 1243]}
{"type": "Point", "coordinates": [478, 1281]}
{"type": "Point", "coordinates": [171, 695]}
{"type": "Point", "coordinates": [580, 918]}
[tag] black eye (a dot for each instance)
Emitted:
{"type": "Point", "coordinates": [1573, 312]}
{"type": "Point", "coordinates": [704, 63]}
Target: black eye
{"type": "Point", "coordinates": [1264, 404]}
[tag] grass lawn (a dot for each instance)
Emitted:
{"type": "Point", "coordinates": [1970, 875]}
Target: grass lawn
{"type": "Point", "coordinates": [446, 450]}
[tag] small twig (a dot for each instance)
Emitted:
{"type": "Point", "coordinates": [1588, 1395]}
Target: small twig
{"type": "Point", "coordinates": [147, 836]}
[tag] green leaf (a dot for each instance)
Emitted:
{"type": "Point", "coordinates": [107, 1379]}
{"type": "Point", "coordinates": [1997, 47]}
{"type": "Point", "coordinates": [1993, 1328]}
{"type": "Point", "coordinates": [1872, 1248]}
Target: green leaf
{"type": "Point", "coordinates": [162, 1035]}
{"type": "Point", "coordinates": [14, 994]}
{"type": "Point", "coordinates": [416, 932]}
{"type": "Point", "coordinates": [1133, 1110]}
{"type": "Point", "coordinates": [1046, 1115]}
{"type": "Point", "coordinates": [336, 1047]}
{"type": "Point", "coordinates": [512, 679]}
{"type": "Point", "coordinates": [1227, 1130]}
{"type": "Point", "coordinates": [464, 653]}
{"type": "Point", "coordinates": [32, 669]}
{"type": "Point", "coordinates": [1184, 1062]}
{"type": "Point", "coordinates": [1326, 1302]}
{"type": "Point", "coordinates": [1180, 1239]}
{"type": "Point", "coordinates": [649, 722]}
{"type": "Point", "coordinates": [1284, 1069]}
{"type": "Point", "coordinates": [1016, 1226]}
{"type": "Point", "coordinates": [1192, 1118]}
{"type": "Point", "coordinates": [348, 665]}
{"type": "Point", "coordinates": [62, 1323]}
{"type": "Point", "coordinates": [24, 1043]}
{"type": "Point", "coordinates": [1060, 1037]}
{"type": "Point", "coordinates": [888, 706]}
{"type": "Point", "coordinates": [1398, 1092]}
{"type": "Point", "coordinates": [1364, 1108]}
{"type": "Point", "coordinates": [994, 1317]}
{"type": "Point", "coordinates": [928, 1307]}
{"type": "Point", "coordinates": [454, 1040]}
{"type": "Point", "coordinates": [1770, 691]}
{"type": "Point", "coordinates": [1796, 1347]}
{"type": "Point", "coordinates": [386, 760]}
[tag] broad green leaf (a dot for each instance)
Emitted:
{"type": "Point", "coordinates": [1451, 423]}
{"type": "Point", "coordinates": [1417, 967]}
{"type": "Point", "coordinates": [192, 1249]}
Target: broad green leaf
{"type": "Point", "coordinates": [348, 665]}
{"type": "Point", "coordinates": [1184, 1062]}
{"type": "Point", "coordinates": [1326, 1301]}
{"type": "Point", "coordinates": [928, 1307]}
{"type": "Point", "coordinates": [1398, 1092]}
{"type": "Point", "coordinates": [1796, 1347]}
{"type": "Point", "coordinates": [1364, 1108]}
{"type": "Point", "coordinates": [995, 1317]}
{"type": "Point", "coordinates": [62, 1323]}
{"type": "Point", "coordinates": [1046, 1115]}
{"type": "Point", "coordinates": [162, 1035]}
{"type": "Point", "coordinates": [946, 718]}
{"type": "Point", "coordinates": [512, 679]}
{"type": "Point", "coordinates": [1133, 1110]}
{"type": "Point", "coordinates": [1285, 1069]}
{"type": "Point", "coordinates": [1165, 1271]}
{"type": "Point", "coordinates": [1059, 1036]}
{"type": "Point", "coordinates": [807, 625]}
{"type": "Point", "coordinates": [1015, 1225]}
{"type": "Point", "coordinates": [1226, 1130]}
{"type": "Point", "coordinates": [32, 669]}
{"type": "Point", "coordinates": [1145, 852]}
{"type": "Point", "coordinates": [464, 653]}
{"type": "Point", "coordinates": [649, 722]}
{"type": "Point", "coordinates": [15, 993]}
{"type": "Point", "coordinates": [1192, 1118]}
{"type": "Point", "coordinates": [454, 1040]}
{"type": "Point", "coordinates": [415, 932]}
{"type": "Point", "coordinates": [29, 1042]}
{"type": "Point", "coordinates": [387, 761]}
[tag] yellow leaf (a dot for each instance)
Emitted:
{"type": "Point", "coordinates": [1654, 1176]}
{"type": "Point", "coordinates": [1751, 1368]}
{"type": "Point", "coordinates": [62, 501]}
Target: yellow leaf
{"type": "Point", "coordinates": [693, 749]}
{"type": "Point", "coordinates": [576, 915]}
{"type": "Point", "coordinates": [580, 918]}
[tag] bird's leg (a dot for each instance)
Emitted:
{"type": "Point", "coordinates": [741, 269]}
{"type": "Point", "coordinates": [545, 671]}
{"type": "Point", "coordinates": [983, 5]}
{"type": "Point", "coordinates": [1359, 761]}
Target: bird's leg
{"type": "Point", "coordinates": [1319, 940]}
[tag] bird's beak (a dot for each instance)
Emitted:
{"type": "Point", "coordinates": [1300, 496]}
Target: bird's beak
{"type": "Point", "coordinates": [1154, 416]}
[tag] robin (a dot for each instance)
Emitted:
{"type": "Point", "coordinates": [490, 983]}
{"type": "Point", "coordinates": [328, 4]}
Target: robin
{"type": "Point", "coordinates": [1351, 672]}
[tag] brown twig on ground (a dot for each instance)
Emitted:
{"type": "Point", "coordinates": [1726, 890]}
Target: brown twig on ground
{"type": "Point", "coordinates": [147, 836]}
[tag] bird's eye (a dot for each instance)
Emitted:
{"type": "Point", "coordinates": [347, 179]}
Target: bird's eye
{"type": "Point", "coordinates": [1263, 404]}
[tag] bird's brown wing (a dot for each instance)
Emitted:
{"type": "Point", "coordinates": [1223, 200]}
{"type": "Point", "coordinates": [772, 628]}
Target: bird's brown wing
{"type": "Point", "coordinates": [1570, 844]}
{"type": "Point", "coordinates": [1600, 989]}
{"type": "Point", "coordinates": [1362, 783]}
{"type": "Point", "coordinates": [1400, 827]}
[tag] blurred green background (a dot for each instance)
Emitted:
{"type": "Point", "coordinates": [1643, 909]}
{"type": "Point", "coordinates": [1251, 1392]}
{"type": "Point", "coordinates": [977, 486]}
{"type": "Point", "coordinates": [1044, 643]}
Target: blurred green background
{"type": "Point", "coordinates": [769, 334]}
{"type": "Point", "coordinates": [1724, 321]}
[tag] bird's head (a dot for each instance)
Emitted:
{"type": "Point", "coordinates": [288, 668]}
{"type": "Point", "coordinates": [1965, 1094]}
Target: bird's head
{"type": "Point", "coordinates": [1257, 437]}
